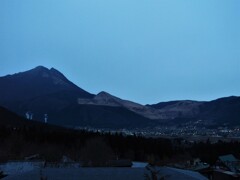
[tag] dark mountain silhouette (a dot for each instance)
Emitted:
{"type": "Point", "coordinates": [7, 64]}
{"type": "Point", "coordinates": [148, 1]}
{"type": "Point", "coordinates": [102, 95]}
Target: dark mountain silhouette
{"type": "Point", "coordinates": [101, 117]}
{"type": "Point", "coordinates": [223, 111]}
{"type": "Point", "coordinates": [43, 91]}
{"type": "Point", "coordinates": [36, 82]}
{"type": "Point", "coordinates": [47, 91]}
{"type": "Point", "coordinates": [39, 90]}
{"type": "Point", "coordinates": [178, 109]}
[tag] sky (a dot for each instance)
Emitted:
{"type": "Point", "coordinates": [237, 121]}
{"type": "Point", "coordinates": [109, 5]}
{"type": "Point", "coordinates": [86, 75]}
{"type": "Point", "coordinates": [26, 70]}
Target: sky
{"type": "Point", "coordinates": [144, 51]}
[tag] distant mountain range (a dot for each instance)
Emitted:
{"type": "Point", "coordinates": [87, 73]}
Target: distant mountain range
{"type": "Point", "coordinates": [43, 91]}
{"type": "Point", "coordinates": [223, 111]}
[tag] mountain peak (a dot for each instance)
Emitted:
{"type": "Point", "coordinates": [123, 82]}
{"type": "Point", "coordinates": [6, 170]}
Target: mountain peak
{"type": "Point", "coordinates": [48, 73]}
{"type": "Point", "coordinates": [43, 68]}
{"type": "Point", "coordinates": [55, 72]}
{"type": "Point", "coordinates": [37, 82]}
{"type": "Point", "coordinates": [40, 68]}
{"type": "Point", "coordinates": [103, 93]}
{"type": "Point", "coordinates": [53, 69]}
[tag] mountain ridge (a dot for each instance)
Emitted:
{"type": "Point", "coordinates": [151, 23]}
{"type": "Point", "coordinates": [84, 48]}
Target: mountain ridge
{"type": "Point", "coordinates": [106, 99]}
{"type": "Point", "coordinates": [47, 91]}
{"type": "Point", "coordinates": [40, 90]}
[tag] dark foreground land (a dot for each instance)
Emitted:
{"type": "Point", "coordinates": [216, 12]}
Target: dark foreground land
{"type": "Point", "coordinates": [52, 143]}
{"type": "Point", "coordinates": [23, 141]}
{"type": "Point", "coordinates": [21, 138]}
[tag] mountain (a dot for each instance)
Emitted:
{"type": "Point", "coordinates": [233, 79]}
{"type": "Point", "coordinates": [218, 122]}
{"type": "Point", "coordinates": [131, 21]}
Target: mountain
{"type": "Point", "coordinates": [100, 117]}
{"type": "Point", "coordinates": [178, 109]}
{"type": "Point", "coordinates": [222, 111]}
{"type": "Point", "coordinates": [39, 90]}
{"type": "Point", "coordinates": [36, 82]}
{"type": "Point", "coordinates": [106, 99]}
{"type": "Point", "coordinates": [43, 91]}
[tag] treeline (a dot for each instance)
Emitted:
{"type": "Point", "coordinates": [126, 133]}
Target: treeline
{"type": "Point", "coordinates": [53, 144]}
{"type": "Point", "coordinates": [17, 143]}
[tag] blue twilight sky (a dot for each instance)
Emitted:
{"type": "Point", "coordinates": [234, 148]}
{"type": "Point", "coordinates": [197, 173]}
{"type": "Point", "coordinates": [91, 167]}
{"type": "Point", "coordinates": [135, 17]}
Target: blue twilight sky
{"type": "Point", "coordinates": [144, 51]}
